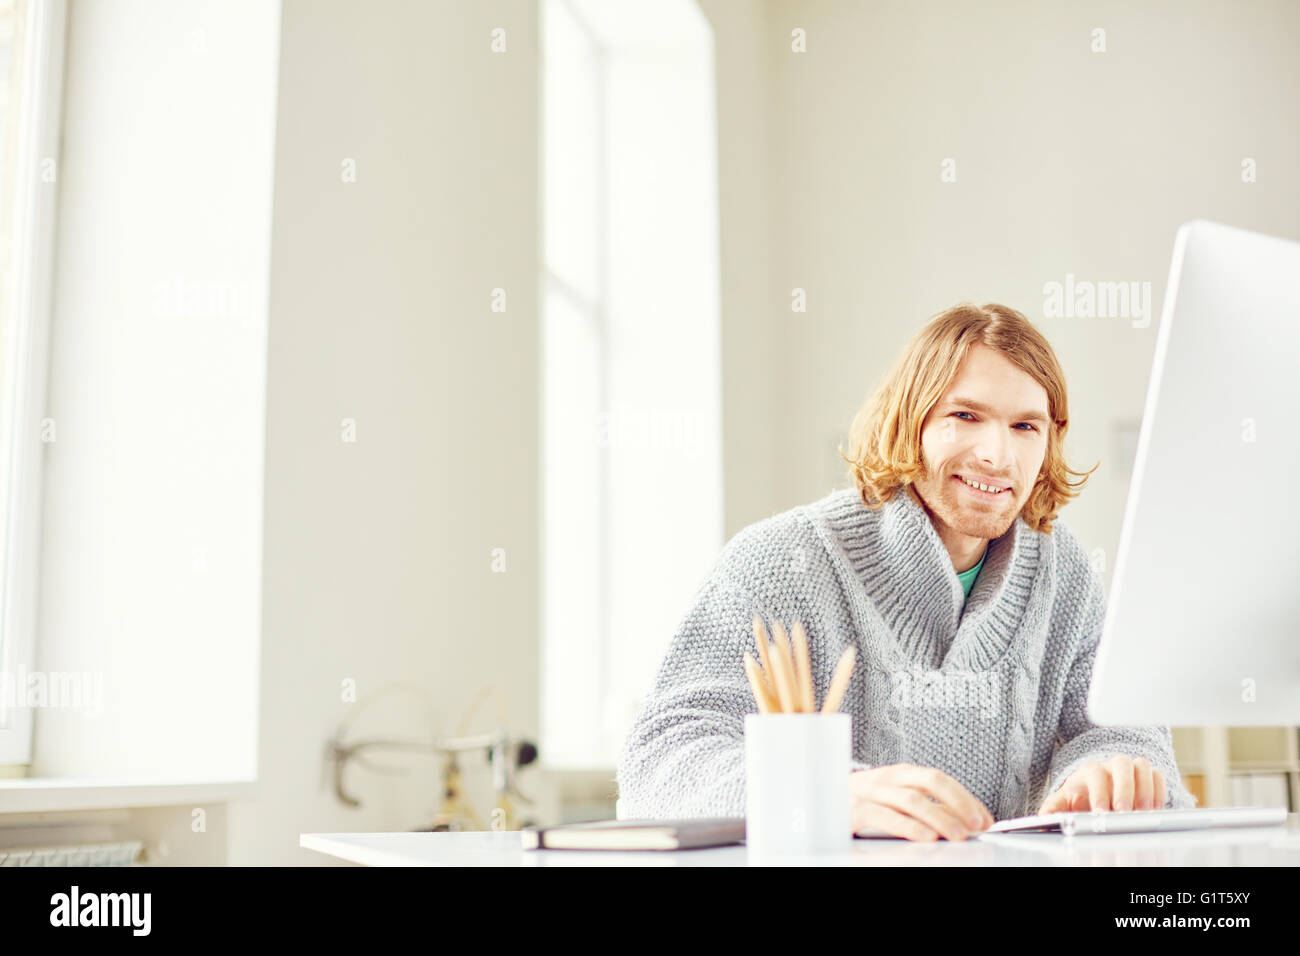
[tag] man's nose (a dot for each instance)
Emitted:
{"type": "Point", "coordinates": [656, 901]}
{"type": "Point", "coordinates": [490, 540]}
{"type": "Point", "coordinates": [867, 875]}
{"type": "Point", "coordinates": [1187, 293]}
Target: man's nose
{"type": "Point", "coordinates": [993, 446]}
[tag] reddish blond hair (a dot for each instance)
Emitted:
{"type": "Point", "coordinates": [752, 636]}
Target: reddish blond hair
{"type": "Point", "coordinates": [884, 451]}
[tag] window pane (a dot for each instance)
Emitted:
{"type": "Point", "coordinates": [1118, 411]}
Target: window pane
{"type": "Point", "coordinates": [571, 550]}
{"type": "Point", "coordinates": [664, 361]}
{"type": "Point", "coordinates": [571, 86]}
{"type": "Point", "coordinates": [630, 216]}
{"type": "Point", "coordinates": [9, 64]}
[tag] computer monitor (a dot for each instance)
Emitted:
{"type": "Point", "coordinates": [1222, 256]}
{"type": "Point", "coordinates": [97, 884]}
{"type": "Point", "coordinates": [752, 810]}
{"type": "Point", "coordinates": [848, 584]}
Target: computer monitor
{"type": "Point", "coordinates": [1203, 620]}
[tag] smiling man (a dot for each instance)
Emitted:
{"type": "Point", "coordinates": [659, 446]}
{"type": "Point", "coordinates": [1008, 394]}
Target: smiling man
{"type": "Point", "coordinates": [946, 567]}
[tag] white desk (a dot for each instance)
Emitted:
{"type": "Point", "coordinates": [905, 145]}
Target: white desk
{"type": "Point", "coordinates": [1245, 846]}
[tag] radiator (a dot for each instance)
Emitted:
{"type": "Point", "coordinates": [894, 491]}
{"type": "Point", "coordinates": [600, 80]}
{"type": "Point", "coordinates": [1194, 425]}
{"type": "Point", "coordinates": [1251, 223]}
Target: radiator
{"type": "Point", "coordinates": [85, 854]}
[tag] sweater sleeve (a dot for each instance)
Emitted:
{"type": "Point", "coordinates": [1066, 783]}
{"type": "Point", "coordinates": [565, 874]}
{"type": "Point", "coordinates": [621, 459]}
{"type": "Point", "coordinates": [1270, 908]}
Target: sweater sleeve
{"type": "Point", "coordinates": [1084, 742]}
{"type": "Point", "coordinates": [685, 754]}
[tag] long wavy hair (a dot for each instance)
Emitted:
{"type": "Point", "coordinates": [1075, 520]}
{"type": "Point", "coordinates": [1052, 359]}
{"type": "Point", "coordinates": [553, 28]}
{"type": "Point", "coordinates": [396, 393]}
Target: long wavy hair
{"type": "Point", "coordinates": [884, 452]}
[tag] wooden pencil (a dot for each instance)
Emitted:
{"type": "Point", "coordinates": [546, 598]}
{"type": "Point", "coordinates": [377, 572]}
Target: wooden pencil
{"type": "Point", "coordinates": [839, 682]}
{"type": "Point", "coordinates": [803, 669]}
{"type": "Point", "coordinates": [783, 666]}
{"type": "Point", "coordinates": [765, 703]}
{"type": "Point", "coordinates": [764, 657]}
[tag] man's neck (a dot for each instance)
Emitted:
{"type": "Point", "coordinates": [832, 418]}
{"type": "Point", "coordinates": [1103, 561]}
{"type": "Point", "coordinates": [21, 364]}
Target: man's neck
{"type": "Point", "coordinates": [964, 550]}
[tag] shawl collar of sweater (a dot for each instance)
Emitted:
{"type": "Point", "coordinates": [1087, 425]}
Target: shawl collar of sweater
{"type": "Point", "coordinates": [905, 591]}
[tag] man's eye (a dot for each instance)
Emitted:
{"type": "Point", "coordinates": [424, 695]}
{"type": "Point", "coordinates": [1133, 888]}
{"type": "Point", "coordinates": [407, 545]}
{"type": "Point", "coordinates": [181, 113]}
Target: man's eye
{"type": "Point", "coordinates": [1028, 425]}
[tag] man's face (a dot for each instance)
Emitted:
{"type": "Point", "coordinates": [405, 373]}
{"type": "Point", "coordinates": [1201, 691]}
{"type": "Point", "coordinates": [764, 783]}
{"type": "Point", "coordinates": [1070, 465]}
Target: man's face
{"type": "Point", "coordinates": [991, 427]}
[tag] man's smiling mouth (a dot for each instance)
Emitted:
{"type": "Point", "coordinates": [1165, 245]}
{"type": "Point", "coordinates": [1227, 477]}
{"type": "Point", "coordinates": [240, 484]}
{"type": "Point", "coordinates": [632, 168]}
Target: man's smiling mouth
{"type": "Point", "coordinates": [982, 489]}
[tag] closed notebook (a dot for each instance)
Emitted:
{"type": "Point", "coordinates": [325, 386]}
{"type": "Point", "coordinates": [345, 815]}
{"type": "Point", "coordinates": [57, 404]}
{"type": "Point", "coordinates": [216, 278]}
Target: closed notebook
{"type": "Point", "coordinates": [636, 834]}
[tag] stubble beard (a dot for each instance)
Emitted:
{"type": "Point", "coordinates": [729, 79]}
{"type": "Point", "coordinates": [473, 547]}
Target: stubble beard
{"type": "Point", "coordinates": [943, 499]}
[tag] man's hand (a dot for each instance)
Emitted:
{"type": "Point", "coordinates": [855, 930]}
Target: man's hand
{"type": "Point", "coordinates": [919, 803]}
{"type": "Point", "coordinates": [1120, 783]}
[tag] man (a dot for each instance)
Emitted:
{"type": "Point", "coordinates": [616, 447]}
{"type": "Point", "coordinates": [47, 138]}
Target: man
{"type": "Point", "coordinates": [974, 612]}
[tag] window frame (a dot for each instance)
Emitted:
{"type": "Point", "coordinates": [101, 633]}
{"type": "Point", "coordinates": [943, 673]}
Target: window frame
{"type": "Point", "coordinates": [589, 295]}
{"type": "Point", "coordinates": [25, 324]}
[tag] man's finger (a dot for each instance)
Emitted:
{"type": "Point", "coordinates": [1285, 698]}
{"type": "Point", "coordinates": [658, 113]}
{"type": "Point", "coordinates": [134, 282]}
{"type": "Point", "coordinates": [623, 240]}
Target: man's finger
{"type": "Point", "coordinates": [1121, 774]}
{"type": "Point", "coordinates": [1099, 784]}
{"type": "Point", "coordinates": [1053, 804]}
{"type": "Point", "coordinates": [1159, 786]}
{"type": "Point", "coordinates": [951, 794]}
{"type": "Point", "coordinates": [874, 816]}
{"type": "Point", "coordinates": [1063, 799]}
{"type": "Point", "coordinates": [1144, 790]}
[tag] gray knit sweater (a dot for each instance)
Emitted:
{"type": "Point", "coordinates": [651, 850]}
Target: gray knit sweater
{"type": "Point", "coordinates": [990, 689]}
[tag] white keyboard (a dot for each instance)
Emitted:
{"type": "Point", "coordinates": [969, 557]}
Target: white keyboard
{"type": "Point", "coordinates": [1142, 821]}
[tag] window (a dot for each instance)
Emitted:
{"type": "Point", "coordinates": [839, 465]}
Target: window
{"type": "Point", "coordinates": [31, 66]}
{"type": "Point", "coordinates": [631, 373]}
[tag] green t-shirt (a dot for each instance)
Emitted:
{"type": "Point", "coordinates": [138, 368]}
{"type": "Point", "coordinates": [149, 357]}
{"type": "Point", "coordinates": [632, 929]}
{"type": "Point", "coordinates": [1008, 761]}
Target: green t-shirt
{"type": "Point", "coordinates": [967, 578]}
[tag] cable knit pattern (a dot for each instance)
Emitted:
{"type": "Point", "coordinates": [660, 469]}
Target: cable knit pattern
{"type": "Point", "coordinates": [991, 689]}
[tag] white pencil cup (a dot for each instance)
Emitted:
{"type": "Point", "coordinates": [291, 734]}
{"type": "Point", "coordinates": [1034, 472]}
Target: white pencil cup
{"type": "Point", "coordinates": [797, 782]}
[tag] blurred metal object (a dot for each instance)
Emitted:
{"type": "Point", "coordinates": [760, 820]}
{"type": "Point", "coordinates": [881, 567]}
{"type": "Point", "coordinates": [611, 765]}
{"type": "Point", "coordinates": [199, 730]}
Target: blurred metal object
{"type": "Point", "coordinates": [505, 755]}
{"type": "Point", "coordinates": [497, 746]}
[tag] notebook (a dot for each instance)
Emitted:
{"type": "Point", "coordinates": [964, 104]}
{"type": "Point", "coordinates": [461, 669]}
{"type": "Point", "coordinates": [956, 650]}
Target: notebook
{"type": "Point", "coordinates": [636, 834]}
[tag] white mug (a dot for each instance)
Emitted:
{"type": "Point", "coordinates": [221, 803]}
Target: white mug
{"type": "Point", "coordinates": [797, 782]}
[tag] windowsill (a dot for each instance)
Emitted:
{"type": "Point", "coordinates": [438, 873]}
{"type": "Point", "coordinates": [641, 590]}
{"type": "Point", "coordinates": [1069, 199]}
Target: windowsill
{"type": "Point", "coordinates": [51, 794]}
{"type": "Point", "coordinates": [576, 772]}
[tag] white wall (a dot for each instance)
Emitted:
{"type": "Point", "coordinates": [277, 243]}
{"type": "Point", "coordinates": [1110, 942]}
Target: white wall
{"type": "Point", "coordinates": [1068, 161]}
{"type": "Point", "coordinates": [753, 460]}
{"type": "Point", "coordinates": [151, 560]}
